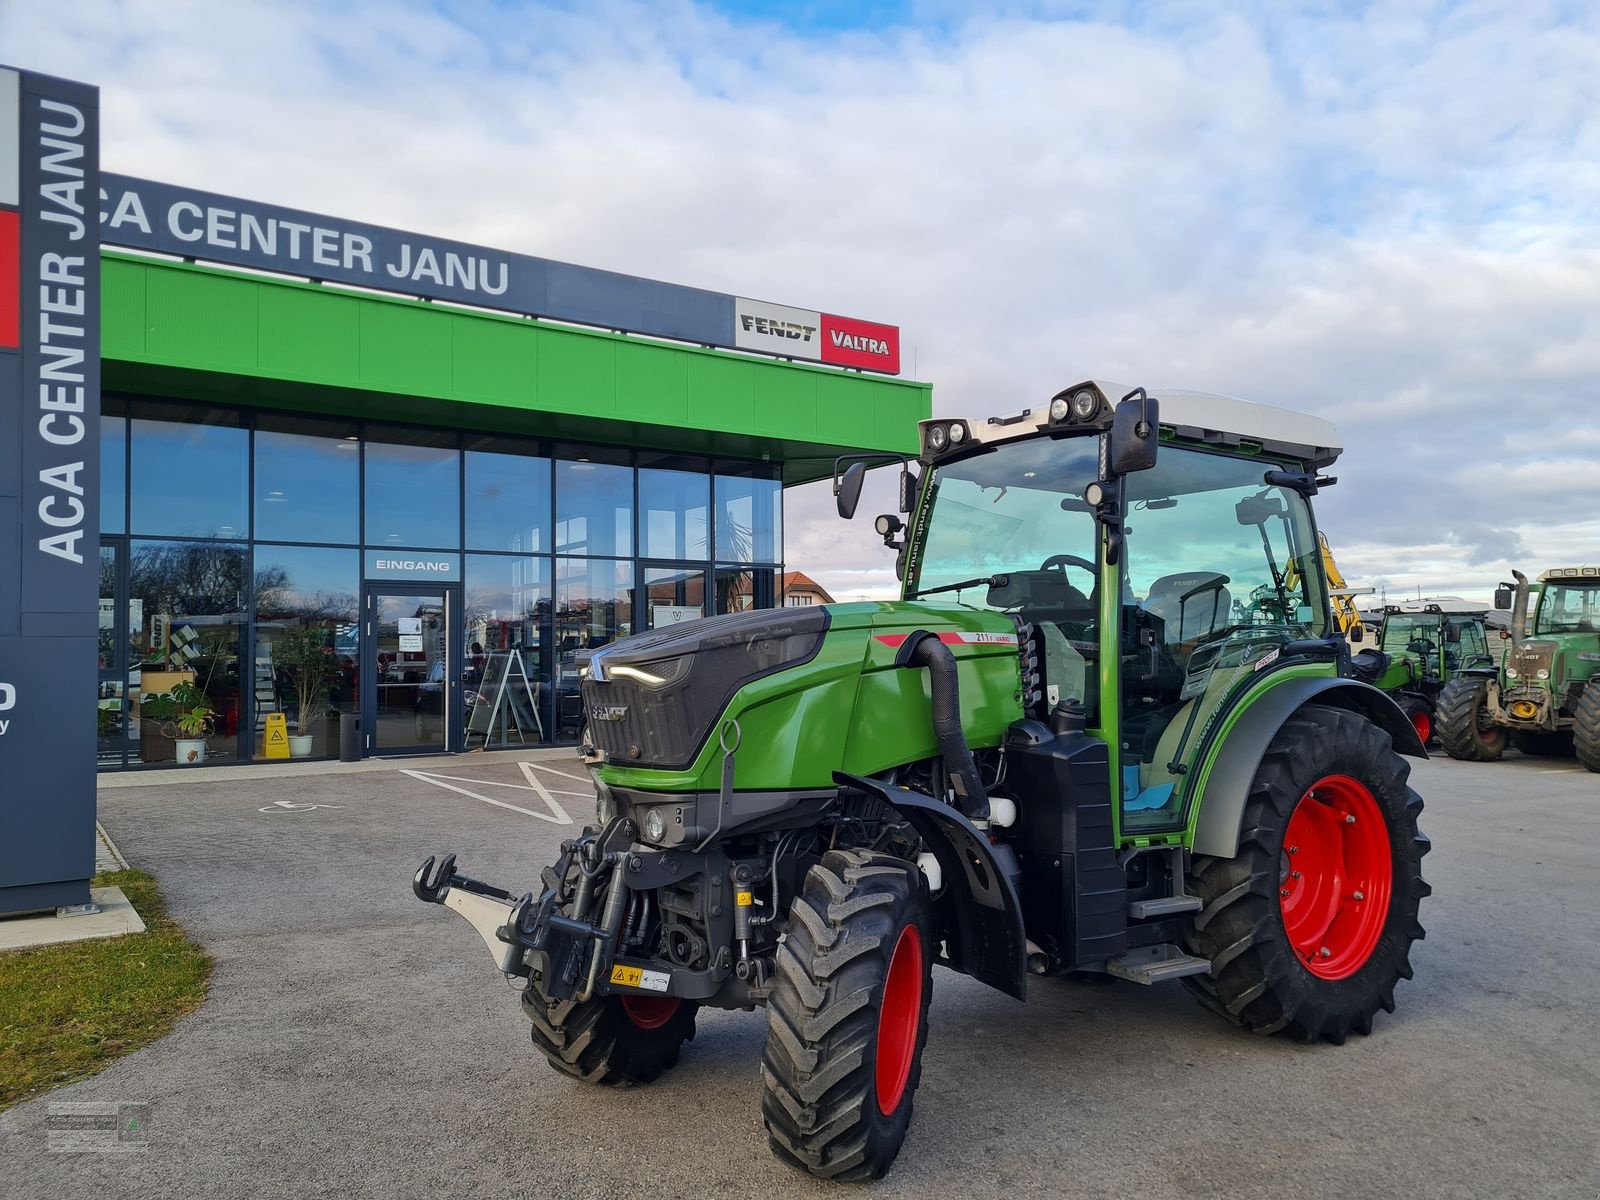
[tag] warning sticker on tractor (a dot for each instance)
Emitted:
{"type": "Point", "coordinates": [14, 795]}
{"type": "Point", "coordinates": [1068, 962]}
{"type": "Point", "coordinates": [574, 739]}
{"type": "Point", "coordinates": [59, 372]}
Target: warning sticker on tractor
{"type": "Point", "coordinates": [637, 977]}
{"type": "Point", "coordinates": [744, 899]}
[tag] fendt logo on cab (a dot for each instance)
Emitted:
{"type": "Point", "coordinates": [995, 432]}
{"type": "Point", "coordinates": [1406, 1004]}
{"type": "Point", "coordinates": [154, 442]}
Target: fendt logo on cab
{"type": "Point", "coordinates": [609, 712]}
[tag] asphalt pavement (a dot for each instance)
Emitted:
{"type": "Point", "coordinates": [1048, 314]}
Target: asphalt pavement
{"type": "Point", "coordinates": [359, 1043]}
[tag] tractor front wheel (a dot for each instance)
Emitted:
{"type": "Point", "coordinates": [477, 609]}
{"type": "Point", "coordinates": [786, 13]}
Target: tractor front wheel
{"type": "Point", "coordinates": [1586, 726]}
{"type": "Point", "coordinates": [1463, 724]}
{"type": "Point", "coordinates": [1310, 925]}
{"type": "Point", "coordinates": [614, 1040]}
{"type": "Point", "coordinates": [848, 1016]}
{"type": "Point", "coordinates": [1419, 712]}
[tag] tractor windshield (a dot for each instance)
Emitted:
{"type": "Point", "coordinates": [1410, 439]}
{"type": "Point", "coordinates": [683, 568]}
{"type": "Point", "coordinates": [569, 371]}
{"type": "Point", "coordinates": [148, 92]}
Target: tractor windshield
{"type": "Point", "coordinates": [1569, 608]}
{"type": "Point", "coordinates": [1416, 634]}
{"type": "Point", "coordinates": [1017, 511]}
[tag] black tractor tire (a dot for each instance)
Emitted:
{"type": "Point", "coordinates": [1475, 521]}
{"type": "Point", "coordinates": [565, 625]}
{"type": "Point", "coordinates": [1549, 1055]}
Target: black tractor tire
{"type": "Point", "coordinates": [1543, 745]}
{"type": "Point", "coordinates": [847, 1017]}
{"type": "Point", "coordinates": [1460, 728]}
{"type": "Point", "coordinates": [614, 1041]}
{"type": "Point", "coordinates": [1330, 796]}
{"type": "Point", "coordinates": [1420, 712]}
{"type": "Point", "coordinates": [1586, 726]}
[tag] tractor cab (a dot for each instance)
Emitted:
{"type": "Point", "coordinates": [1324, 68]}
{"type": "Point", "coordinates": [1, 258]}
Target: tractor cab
{"type": "Point", "coordinates": [1152, 596]}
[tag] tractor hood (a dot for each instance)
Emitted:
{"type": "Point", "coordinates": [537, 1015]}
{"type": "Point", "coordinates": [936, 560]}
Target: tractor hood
{"type": "Point", "coordinates": [652, 699]}
{"type": "Point", "coordinates": [791, 678]}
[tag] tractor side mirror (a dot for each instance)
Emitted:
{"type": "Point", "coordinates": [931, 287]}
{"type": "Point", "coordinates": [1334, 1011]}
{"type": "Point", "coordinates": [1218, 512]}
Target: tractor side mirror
{"type": "Point", "coordinates": [1135, 433]}
{"type": "Point", "coordinates": [1358, 633]}
{"type": "Point", "coordinates": [1504, 596]}
{"type": "Point", "coordinates": [1452, 633]}
{"type": "Point", "coordinates": [847, 489]}
{"type": "Point", "coordinates": [908, 490]}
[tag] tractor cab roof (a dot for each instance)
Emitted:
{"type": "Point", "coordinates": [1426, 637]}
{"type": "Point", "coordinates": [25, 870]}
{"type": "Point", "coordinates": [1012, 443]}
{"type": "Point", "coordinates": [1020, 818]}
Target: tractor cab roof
{"type": "Point", "coordinates": [1200, 417]}
{"type": "Point", "coordinates": [1589, 575]}
{"type": "Point", "coordinates": [1452, 606]}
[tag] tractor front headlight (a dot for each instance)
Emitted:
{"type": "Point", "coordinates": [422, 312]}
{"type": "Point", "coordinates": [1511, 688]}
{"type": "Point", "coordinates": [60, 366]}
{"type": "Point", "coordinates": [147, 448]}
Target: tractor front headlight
{"type": "Point", "coordinates": [655, 826]}
{"type": "Point", "coordinates": [1542, 673]}
{"type": "Point", "coordinates": [1511, 672]}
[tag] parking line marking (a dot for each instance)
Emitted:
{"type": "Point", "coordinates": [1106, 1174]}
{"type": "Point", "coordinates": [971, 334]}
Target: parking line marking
{"type": "Point", "coordinates": [556, 816]}
{"type": "Point", "coordinates": [1563, 771]}
{"type": "Point", "coordinates": [552, 770]}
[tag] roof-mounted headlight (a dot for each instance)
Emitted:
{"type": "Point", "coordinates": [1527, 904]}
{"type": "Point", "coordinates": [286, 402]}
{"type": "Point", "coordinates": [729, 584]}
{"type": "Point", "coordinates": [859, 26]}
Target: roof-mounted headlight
{"type": "Point", "coordinates": [1078, 406]}
{"type": "Point", "coordinates": [958, 433]}
{"type": "Point", "coordinates": [938, 437]}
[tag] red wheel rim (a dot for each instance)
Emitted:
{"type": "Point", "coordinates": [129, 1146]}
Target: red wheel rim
{"type": "Point", "coordinates": [650, 1012]}
{"type": "Point", "coordinates": [1423, 724]}
{"type": "Point", "coordinates": [1336, 876]}
{"type": "Point", "coordinates": [898, 1018]}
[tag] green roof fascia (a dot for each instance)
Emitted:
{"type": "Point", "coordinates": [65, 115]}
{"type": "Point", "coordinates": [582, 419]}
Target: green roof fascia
{"type": "Point", "coordinates": [203, 333]}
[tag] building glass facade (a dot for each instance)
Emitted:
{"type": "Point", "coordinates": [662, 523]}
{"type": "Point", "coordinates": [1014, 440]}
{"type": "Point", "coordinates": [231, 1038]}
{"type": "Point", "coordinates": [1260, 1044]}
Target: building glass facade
{"type": "Point", "coordinates": [303, 566]}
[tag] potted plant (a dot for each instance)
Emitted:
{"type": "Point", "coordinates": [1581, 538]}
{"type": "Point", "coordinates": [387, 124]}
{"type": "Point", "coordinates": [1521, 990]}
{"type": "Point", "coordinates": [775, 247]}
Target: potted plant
{"type": "Point", "coordinates": [191, 723]}
{"type": "Point", "coordinates": [302, 653]}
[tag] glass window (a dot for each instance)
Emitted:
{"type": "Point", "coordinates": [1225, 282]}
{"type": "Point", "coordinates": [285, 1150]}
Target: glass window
{"type": "Point", "coordinates": [306, 650]}
{"type": "Point", "coordinates": [189, 475]}
{"type": "Point", "coordinates": [413, 490]}
{"type": "Point", "coordinates": [113, 474]}
{"type": "Point", "coordinates": [185, 627]}
{"type": "Point", "coordinates": [674, 594]}
{"type": "Point", "coordinates": [508, 497]}
{"type": "Point", "coordinates": [1221, 570]}
{"type": "Point", "coordinates": [749, 519]}
{"type": "Point", "coordinates": [742, 588]}
{"type": "Point", "coordinates": [307, 482]}
{"type": "Point", "coordinates": [508, 607]}
{"type": "Point", "coordinates": [594, 507]}
{"type": "Point", "coordinates": [594, 606]}
{"type": "Point", "coordinates": [674, 508]}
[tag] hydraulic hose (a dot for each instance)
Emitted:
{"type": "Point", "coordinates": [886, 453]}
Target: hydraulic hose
{"type": "Point", "coordinates": [923, 649]}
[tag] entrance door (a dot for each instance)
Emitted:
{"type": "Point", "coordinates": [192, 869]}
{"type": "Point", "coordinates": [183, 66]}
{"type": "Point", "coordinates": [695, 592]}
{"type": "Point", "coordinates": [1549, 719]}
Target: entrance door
{"type": "Point", "coordinates": [410, 679]}
{"type": "Point", "coordinates": [673, 594]}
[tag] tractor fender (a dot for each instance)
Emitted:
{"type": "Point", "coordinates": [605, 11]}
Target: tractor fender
{"type": "Point", "coordinates": [979, 905]}
{"type": "Point", "coordinates": [1234, 768]}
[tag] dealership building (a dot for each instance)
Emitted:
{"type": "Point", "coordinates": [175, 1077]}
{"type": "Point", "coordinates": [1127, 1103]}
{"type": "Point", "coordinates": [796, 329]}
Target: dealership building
{"type": "Point", "coordinates": [347, 470]}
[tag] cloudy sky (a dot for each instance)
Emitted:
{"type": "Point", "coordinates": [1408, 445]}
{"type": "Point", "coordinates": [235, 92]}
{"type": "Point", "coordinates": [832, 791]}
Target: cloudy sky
{"type": "Point", "coordinates": [1388, 214]}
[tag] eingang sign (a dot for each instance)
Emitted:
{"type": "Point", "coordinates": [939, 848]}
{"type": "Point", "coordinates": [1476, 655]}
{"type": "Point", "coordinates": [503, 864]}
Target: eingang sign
{"type": "Point", "coordinates": [144, 215]}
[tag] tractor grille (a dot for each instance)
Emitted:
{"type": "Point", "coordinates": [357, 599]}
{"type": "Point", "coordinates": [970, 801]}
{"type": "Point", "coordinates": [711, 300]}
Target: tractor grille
{"type": "Point", "coordinates": [1528, 659]}
{"type": "Point", "coordinates": [653, 700]}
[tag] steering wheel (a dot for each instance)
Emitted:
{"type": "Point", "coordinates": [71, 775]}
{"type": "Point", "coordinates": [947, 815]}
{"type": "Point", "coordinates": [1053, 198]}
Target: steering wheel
{"type": "Point", "coordinates": [1421, 646]}
{"type": "Point", "coordinates": [1068, 560]}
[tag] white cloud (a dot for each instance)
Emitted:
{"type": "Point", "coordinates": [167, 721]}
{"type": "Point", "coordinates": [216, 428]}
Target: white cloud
{"type": "Point", "coordinates": [1387, 217]}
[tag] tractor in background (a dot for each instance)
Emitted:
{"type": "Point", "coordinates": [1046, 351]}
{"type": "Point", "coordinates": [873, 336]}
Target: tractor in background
{"type": "Point", "coordinates": [1544, 698]}
{"type": "Point", "coordinates": [1427, 643]}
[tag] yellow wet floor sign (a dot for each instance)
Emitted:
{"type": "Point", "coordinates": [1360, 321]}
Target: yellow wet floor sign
{"type": "Point", "coordinates": [275, 744]}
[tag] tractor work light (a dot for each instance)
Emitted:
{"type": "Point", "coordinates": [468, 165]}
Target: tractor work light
{"type": "Point", "coordinates": [1078, 406]}
{"type": "Point", "coordinates": [1059, 408]}
{"type": "Point", "coordinates": [958, 434]}
{"type": "Point", "coordinates": [938, 438]}
{"type": "Point", "coordinates": [1084, 402]}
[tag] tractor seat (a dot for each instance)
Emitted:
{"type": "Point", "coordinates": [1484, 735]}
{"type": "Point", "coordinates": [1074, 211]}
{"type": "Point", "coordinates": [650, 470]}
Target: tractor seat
{"type": "Point", "coordinates": [1041, 596]}
{"type": "Point", "coordinates": [1368, 665]}
{"type": "Point", "coordinates": [1192, 605]}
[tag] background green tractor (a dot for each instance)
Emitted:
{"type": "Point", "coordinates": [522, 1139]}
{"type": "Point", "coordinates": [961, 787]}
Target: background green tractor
{"type": "Point", "coordinates": [1427, 644]}
{"type": "Point", "coordinates": [1110, 727]}
{"type": "Point", "coordinates": [1544, 698]}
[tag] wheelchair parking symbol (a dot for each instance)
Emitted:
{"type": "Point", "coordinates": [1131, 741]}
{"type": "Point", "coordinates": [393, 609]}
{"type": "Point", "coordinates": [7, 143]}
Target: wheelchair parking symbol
{"type": "Point", "coordinates": [280, 806]}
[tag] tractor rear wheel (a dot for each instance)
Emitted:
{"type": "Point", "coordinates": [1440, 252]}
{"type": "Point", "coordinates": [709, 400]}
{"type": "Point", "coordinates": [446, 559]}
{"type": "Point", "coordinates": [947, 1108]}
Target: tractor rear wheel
{"type": "Point", "coordinates": [1310, 925]}
{"type": "Point", "coordinates": [1463, 722]}
{"type": "Point", "coordinates": [848, 1017]}
{"type": "Point", "coordinates": [1586, 726]}
{"type": "Point", "coordinates": [614, 1040]}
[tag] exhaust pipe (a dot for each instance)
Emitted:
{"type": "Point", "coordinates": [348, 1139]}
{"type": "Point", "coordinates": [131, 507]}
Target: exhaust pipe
{"type": "Point", "coordinates": [923, 649]}
{"type": "Point", "coordinates": [1519, 610]}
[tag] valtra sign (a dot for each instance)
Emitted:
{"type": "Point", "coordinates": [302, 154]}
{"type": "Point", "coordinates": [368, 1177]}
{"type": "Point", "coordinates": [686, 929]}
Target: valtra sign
{"type": "Point", "coordinates": [816, 336]}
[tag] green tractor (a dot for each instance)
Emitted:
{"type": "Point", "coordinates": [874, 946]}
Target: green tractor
{"type": "Point", "coordinates": [1110, 728]}
{"type": "Point", "coordinates": [1545, 696]}
{"type": "Point", "coordinates": [1427, 644]}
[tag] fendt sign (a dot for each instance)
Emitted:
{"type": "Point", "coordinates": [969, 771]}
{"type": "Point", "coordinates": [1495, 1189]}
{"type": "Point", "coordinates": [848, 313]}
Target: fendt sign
{"type": "Point", "coordinates": [144, 215]}
{"type": "Point", "coordinates": [49, 487]}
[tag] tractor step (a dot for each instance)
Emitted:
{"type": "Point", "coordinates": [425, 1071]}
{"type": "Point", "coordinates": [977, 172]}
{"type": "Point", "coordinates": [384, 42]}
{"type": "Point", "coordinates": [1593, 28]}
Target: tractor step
{"type": "Point", "coordinates": [1156, 964]}
{"type": "Point", "coordinates": [1164, 906]}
